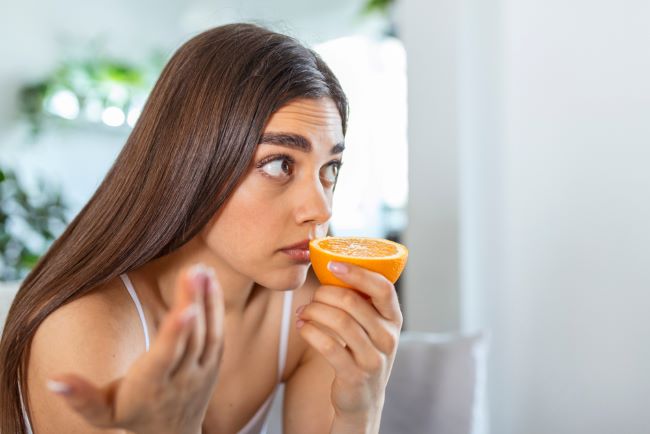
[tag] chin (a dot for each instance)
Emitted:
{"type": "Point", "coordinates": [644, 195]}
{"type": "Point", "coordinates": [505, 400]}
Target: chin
{"type": "Point", "coordinates": [286, 279]}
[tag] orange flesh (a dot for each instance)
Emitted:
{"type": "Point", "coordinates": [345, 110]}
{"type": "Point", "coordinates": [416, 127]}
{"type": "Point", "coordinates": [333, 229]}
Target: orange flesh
{"type": "Point", "coordinates": [358, 247]}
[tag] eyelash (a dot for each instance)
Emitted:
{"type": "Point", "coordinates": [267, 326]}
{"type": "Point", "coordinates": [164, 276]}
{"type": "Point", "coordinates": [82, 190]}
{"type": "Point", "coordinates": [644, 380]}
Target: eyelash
{"type": "Point", "coordinates": [336, 163]}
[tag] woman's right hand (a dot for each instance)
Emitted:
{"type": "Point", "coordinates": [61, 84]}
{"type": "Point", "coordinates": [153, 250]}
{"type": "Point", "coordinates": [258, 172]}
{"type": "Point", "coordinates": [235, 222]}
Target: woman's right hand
{"type": "Point", "coordinates": [167, 389]}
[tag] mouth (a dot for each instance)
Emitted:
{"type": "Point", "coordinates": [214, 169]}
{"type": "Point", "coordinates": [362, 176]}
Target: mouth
{"type": "Point", "coordinates": [299, 252]}
{"type": "Point", "coordinates": [301, 245]}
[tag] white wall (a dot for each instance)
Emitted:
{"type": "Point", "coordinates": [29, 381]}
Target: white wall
{"type": "Point", "coordinates": [432, 274]}
{"type": "Point", "coordinates": [578, 191]}
{"type": "Point", "coordinates": [553, 134]}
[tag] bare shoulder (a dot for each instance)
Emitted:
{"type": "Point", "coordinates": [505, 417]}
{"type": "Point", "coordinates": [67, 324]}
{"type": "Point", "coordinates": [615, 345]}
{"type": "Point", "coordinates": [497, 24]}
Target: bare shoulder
{"type": "Point", "coordinates": [97, 336]}
{"type": "Point", "coordinates": [105, 320]}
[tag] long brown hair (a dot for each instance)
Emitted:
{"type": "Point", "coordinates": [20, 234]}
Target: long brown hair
{"type": "Point", "coordinates": [191, 146]}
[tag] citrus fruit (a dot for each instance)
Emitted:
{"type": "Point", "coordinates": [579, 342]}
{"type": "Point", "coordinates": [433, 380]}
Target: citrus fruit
{"type": "Point", "coordinates": [376, 254]}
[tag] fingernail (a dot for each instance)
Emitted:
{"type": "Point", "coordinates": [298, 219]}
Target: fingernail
{"type": "Point", "coordinates": [199, 273]}
{"type": "Point", "coordinates": [212, 280]}
{"type": "Point", "coordinates": [337, 267]}
{"type": "Point", "coordinates": [300, 323]}
{"type": "Point", "coordinates": [300, 309]}
{"type": "Point", "coordinates": [59, 387]}
{"type": "Point", "coordinates": [189, 313]}
{"type": "Point", "coordinates": [199, 268]}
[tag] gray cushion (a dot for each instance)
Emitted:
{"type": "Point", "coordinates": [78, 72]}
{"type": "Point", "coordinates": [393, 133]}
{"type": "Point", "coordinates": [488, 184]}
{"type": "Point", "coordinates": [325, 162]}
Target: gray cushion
{"type": "Point", "coordinates": [434, 386]}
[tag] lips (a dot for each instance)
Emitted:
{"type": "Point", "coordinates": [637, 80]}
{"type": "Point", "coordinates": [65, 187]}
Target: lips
{"type": "Point", "coordinates": [302, 245]}
{"type": "Point", "coordinates": [299, 252]}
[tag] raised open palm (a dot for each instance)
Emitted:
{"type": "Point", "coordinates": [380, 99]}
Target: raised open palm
{"type": "Point", "coordinates": [168, 388]}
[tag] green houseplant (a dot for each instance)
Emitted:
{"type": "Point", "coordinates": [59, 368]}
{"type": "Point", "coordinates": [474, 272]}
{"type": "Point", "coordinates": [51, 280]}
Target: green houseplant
{"type": "Point", "coordinates": [95, 89]}
{"type": "Point", "coordinates": [28, 224]}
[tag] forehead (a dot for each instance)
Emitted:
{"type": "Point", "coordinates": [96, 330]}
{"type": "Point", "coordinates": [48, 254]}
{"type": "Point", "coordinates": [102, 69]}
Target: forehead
{"type": "Point", "coordinates": [317, 119]}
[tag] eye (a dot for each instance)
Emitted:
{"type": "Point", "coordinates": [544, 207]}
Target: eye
{"type": "Point", "coordinates": [277, 167]}
{"type": "Point", "coordinates": [332, 171]}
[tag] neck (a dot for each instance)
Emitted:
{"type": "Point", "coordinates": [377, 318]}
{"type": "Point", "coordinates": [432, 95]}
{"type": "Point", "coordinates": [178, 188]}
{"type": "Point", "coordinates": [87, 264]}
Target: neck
{"type": "Point", "coordinates": [161, 276]}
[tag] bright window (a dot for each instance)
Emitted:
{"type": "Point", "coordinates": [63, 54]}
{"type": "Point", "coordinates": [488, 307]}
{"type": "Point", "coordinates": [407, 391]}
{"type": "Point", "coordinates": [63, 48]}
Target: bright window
{"type": "Point", "coordinates": [372, 190]}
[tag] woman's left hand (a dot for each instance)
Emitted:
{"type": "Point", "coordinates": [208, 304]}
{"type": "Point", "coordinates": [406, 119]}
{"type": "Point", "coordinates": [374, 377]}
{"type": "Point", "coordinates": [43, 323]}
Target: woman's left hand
{"type": "Point", "coordinates": [369, 329]}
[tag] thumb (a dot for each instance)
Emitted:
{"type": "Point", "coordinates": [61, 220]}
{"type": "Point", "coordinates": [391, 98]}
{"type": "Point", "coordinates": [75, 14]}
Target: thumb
{"type": "Point", "coordinates": [94, 404]}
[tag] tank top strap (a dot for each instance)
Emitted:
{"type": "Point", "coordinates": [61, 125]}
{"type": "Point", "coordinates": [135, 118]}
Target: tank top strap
{"type": "Point", "coordinates": [284, 332]}
{"type": "Point", "coordinates": [138, 306]}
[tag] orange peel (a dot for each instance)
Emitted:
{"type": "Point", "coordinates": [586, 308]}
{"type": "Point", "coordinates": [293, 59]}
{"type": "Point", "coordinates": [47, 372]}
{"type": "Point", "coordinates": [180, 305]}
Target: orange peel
{"type": "Point", "coordinates": [376, 254]}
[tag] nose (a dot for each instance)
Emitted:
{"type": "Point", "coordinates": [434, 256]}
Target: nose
{"type": "Point", "coordinates": [313, 203]}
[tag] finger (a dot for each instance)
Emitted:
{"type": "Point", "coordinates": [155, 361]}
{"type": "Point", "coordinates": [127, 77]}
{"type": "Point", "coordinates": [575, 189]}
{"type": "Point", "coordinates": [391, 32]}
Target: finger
{"type": "Point", "coordinates": [214, 317]}
{"type": "Point", "coordinates": [336, 355]}
{"type": "Point", "coordinates": [340, 322]}
{"type": "Point", "coordinates": [169, 347]}
{"type": "Point", "coordinates": [194, 281]}
{"type": "Point", "coordinates": [381, 290]}
{"type": "Point", "coordinates": [383, 334]}
{"type": "Point", "coordinates": [329, 332]}
{"type": "Point", "coordinates": [93, 404]}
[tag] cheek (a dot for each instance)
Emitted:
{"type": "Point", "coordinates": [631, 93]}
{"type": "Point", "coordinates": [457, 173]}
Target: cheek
{"type": "Point", "coordinates": [246, 236]}
{"type": "Point", "coordinates": [245, 229]}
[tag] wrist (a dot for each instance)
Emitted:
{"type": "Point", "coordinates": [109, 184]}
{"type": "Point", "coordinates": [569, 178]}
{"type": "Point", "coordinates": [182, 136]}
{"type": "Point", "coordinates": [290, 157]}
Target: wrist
{"type": "Point", "coordinates": [361, 424]}
{"type": "Point", "coordinates": [365, 423]}
{"type": "Point", "coordinates": [340, 426]}
{"type": "Point", "coordinates": [200, 431]}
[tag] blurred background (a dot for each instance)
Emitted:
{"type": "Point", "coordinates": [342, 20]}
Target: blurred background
{"type": "Point", "coordinates": [506, 143]}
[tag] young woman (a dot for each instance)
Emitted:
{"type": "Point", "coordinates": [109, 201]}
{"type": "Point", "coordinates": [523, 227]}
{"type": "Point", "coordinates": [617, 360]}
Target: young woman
{"type": "Point", "coordinates": [231, 166]}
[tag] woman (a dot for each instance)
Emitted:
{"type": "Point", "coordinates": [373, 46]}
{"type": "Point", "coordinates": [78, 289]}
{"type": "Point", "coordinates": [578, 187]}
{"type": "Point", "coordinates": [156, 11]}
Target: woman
{"type": "Point", "coordinates": [232, 166]}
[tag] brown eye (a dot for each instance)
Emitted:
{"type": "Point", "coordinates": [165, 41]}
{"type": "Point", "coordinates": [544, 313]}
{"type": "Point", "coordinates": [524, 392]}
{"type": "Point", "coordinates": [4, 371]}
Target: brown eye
{"type": "Point", "coordinates": [278, 167]}
{"type": "Point", "coordinates": [333, 171]}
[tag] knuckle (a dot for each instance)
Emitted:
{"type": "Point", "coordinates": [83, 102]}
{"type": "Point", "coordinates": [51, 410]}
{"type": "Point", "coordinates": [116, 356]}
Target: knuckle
{"type": "Point", "coordinates": [387, 287]}
{"type": "Point", "coordinates": [375, 364]}
{"type": "Point", "coordinates": [342, 320]}
{"type": "Point", "coordinates": [330, 347]}
{"type": "Point", "coordinates": [307, 309]}
{"type": "Point", "coordinates": [318, 293]}
{"type": "Point", "coordinates": [183, 377]}
{"type": "Point", "coordinates": [349, 300]}
{"type": "Point", "coordinates": [319, 296]}
{"type": "Point", "coordinates": [361, 377]}
{"type": "Point", "coordinates": [390, 342]}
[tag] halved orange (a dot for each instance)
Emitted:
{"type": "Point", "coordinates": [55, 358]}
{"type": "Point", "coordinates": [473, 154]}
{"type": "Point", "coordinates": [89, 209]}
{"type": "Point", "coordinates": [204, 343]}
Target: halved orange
{"type": "Point", "coordinates": [377, 254]}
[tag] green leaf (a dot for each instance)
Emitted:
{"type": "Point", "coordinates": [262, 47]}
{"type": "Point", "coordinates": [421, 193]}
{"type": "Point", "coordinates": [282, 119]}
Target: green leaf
{"type": "Point", "coordinates": [28, 259]}
{"type": "Point", "coordinates": [43, 214]}
{"type": "Point", "coordinates": [377, 6]}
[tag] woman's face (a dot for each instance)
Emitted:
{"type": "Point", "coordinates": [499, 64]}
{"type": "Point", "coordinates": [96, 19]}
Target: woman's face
{"type": "Point", "coordinates": [285, 198]}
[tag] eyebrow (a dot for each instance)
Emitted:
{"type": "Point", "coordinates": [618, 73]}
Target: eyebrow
{"type": "Point", "coordinates": [295, 141]}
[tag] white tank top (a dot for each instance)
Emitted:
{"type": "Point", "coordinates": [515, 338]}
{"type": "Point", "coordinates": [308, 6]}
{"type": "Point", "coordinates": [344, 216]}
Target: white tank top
{"type": "Point", "coordinates": [258, 424]}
